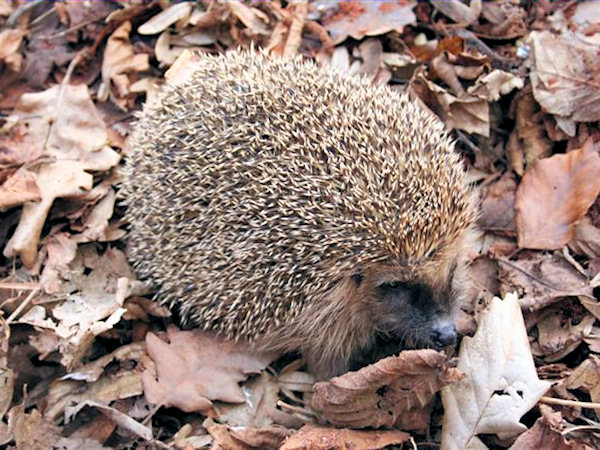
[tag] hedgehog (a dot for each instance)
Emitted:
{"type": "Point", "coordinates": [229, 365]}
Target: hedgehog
{"type": "Point", "coordinates": [299, 209]}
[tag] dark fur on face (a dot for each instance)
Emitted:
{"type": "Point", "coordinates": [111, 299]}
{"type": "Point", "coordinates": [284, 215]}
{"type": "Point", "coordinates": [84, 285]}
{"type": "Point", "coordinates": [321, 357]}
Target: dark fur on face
{"type": "Point", "coordinates": [383, 309]}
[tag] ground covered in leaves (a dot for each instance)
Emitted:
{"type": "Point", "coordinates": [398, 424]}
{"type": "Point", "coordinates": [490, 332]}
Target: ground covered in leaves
{"type": "Point", "coordinates": [87, 360]}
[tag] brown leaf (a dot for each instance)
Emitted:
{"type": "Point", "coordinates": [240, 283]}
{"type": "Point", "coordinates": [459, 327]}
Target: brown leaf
{"type": "Point", "coordinates": [61, 179]}
{"type": "Point", "coordinates": [10, 41]}
{"type": "Point", "coordinates": [541, 280]}
{"type": "Point", "coordinates": [378, 394]}
{"type": "Point", "coordinates": [195, 368]}
{"type": "Point", "coordinates": [498, 207]}
{"type": "Point", "coordinates": [564, 78]}
{"type": "Point", "coordinates": [554, 194]}
{"type": "Point", "coordinates": [18, 189]}
{"type": "Point", "coordinates": [119, 60]}
{"type": "Point", "coordinates": [365, 18]}
{"type": "Point", "coordinates": [587, 378]}
{"type": "Point", "coordinates": [62, 122]}
{"type": "Point", "coordinates": [315, 437]}
{"type": "Point", "coordinates": [245, 438]}
{"type": "Point", "coordinates": [459, 12]}
{"type": "Point", "coordinates": [167, 17]}
{"type": "Point", "coordinates": [586, 239]}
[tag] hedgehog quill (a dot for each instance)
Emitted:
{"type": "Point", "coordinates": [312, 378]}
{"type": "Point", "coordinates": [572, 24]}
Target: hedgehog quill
{"type": "Point", "coordinates": [299, 210]}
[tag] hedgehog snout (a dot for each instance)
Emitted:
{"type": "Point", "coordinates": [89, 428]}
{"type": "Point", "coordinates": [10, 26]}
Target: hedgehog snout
{"type": "Point", "coordinates": [443, 333]}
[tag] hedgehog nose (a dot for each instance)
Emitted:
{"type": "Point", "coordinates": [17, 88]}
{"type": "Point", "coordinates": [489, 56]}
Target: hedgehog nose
{"type": "Point", "coordinates": [444, 334]}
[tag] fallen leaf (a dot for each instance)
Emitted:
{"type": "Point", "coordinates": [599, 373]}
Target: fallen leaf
{"type": "Point", "coordinates": [586, 377]}
{"type": "Point", "coordinates": [564, 78]}
{"type": "Point", "coordinates": [57, 180]}
{"type": "Point", "coordinates": [547, 433]}
{"type": "Point", "coordinates": [377, 395]}
{"type": "Point", "coordinates": [554, 194]}
{"type": "Point", "coordinates": [63, 122]}
{"type": "Point", "coordinates": [460, 12]}
{"type": "Point", "coordinates": [10, 41]}
{"type": "Point", "coordinates": [501, 382]}
{"type": "Point", "coordinates": [120, 419]}
{"type": "Point", "coordinates": [365, 18]}
{"type": "Point", "coordinates": [119, 60]}
{"type": "Point", "coordinates": [253, 18]}
{"type": "Point", "coordinates": [498, 207]}
{"type": "Point", "coordinates": [167, 17]}
{"type": "Point", "coordinates": [541, 279]}
{"type": "Point", "coordinates": [19, 188]}
{"type": "Point", "coordinates": [316, 437]}
{"type": "Point", "coordinates": [195, 368]}
{"type": "Point", "coordinates": [245, 438]}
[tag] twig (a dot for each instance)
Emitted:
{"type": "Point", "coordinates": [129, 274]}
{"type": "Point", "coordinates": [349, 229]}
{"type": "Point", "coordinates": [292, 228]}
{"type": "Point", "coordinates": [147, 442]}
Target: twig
{"type": "Point", "coordinates": [575, 403]}
{"type": "Point", "coordinates": [22, 306]}
{"type": "Point", "coordinates": [18, 286]}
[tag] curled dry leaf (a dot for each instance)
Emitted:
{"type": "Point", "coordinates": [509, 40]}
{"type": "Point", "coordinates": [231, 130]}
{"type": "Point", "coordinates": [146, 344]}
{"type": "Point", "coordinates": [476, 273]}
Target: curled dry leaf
{"type": "Point", "coordinates": [458, 11]}
{"type": "Point", "coordinates": [119, 60]}
{"type": "Point", "coordinates": [254, 19]}
{"type": "Point", "coordinates": [164, 19]}
{"type": "Point", "coordinates": [501, 382]}
{"type": "Point", "coordinates": [554, 194]}
{"type": "Point", "coordinates": [378, 394]}
{"type": "Point", "coordinates": [195, 368]}
{"type": "Point", "coordinates": [564, 79]}
{"type": "Point", "coordinates": [10, 41]}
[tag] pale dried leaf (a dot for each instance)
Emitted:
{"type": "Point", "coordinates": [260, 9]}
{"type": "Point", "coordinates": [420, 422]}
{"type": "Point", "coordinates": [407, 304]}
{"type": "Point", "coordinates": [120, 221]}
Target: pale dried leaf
{"type": "Point", "coordinates": [366, 18]}
{"type": "Point", "coordinates": [316, 437]}
{"type": "Point", "coordinates": [254, 19]}
{"type": "Point", "coordinates": [554, 194]}
{"type": "Point", "coordinates": [195, 368]}
{"type": "Point", "coordinates": [10, 41]}
{"type": "Point", "coordinates": [110, 387]}
{"type": "Point", "coordinates": [119, 60]}
{"type": "Point", "coordinates": [122, 420]}
{"type": "Point", "coordinates": [60, 179]}
{"type": "Point", "coordinates": [20, 188]}
{"type": "Point", "coordinates": [167, 17]}
{"type": "Point", "coordinates": [495, 84]}
{"type": "Point", "coordinates": [458, 11]}
{"type": "Point", "coordinates": [378, 394]}
{"type": "Point", "coordinates": [501, 382]}
{"type": "Point", "coordinates": [62, 122]}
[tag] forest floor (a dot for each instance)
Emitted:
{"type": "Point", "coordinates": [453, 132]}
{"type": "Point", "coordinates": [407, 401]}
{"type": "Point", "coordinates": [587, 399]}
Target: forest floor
{"type": "Point", "coordinates": [88, 360]}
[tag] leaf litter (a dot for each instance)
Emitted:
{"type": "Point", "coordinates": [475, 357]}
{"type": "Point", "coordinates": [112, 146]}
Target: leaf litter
{"type": "Point", "coordinates": [89, 361]}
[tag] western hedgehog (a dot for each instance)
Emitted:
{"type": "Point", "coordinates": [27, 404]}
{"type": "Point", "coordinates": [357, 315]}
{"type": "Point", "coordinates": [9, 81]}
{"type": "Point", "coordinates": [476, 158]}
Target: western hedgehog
{"type": "Point", "coordinates": [299, 209]}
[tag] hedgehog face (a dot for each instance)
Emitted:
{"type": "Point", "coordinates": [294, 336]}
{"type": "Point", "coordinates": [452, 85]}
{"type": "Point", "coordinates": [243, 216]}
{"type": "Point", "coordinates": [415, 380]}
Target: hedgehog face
{"type": "Point", "coordinates": [410, 312]}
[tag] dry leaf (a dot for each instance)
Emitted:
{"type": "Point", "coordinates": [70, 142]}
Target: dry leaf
{"type": "Point", "coordinates": [119, 60]}
{"type": "Point", "coordinates": [195, 368]}
{"type": "Point", "coordinates": [315, 437]}
{"type": "Point", "coordinates": [554, 194]}
{"type": "Point", "coordinates": [246, 438]}
{"type": "Point", "coordinates": [564, 79]}
{"type": "Point", "coordinates": [120, 419]}
{"type": "Point", "coordinates": [458, 11]}
{"type": "Point", "coordinates": [541, 279]}
{"type": "Point", "coordinates": [498, 207]}
{"type": "Point", "coordinates": [18, 189]}
{"type": "Point", "coordinates": [10, 41]}
{"type": "Point", "coordinates": [62, 122]}
{"type": "Point", "coordinates": [378, 394]}
{"type": "Point", "coordinates": [60, 179]}
{"type": "Point", "coordinates": [167, 17]}
{"type": "Point", "coordinates": [501, 382]}
{"type": "Point", "coordinates": [367, 18]}
{"type": "Point", "coordinates": [254, 19]}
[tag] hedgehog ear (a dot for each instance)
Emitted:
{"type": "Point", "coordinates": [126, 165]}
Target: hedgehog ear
{"type": "Point", "coordinates": [358, 278]}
